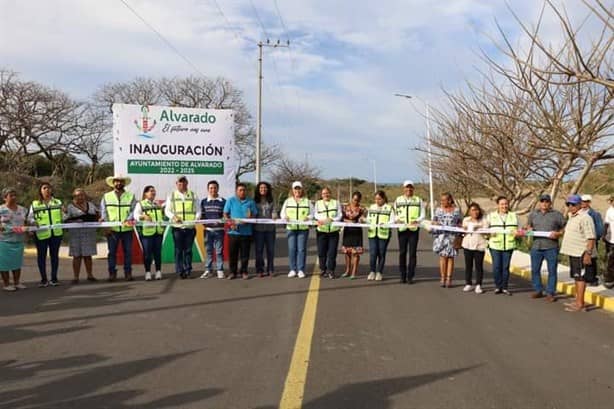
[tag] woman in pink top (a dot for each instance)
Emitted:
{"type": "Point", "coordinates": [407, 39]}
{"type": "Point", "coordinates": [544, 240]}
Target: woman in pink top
{"type": "Point", "coordinates": [474, 247]}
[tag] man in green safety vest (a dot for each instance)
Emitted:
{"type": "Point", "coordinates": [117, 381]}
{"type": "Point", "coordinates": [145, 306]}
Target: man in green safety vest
{"type": "Point", "coordinates": [118, 206]}
{"type": "Point", "coordinates": [409, 209]}
{"type": "Point", "coordinates": [182, 209]}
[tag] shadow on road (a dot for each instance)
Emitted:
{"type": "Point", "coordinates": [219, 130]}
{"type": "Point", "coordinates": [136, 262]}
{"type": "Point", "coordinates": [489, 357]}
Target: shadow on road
{"type": "Point", "coordinates": [79, 390]}
{"type": "Point", "coordinates": [375, 394]}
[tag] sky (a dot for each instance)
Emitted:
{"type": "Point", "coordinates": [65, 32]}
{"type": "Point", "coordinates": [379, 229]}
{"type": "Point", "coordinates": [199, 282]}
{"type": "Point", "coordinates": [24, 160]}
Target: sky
{"type": "Point", "coordinates": [328, 98]}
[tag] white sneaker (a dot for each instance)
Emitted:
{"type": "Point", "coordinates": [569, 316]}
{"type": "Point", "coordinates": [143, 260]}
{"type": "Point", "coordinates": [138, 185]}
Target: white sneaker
{"type": "Point", "coordinates": [148, 276]}
{"type": "Point", "coordinates": [478, 289]}
{"type": "Point", "coordinates": [206, 274]}
{"type": "Point", "coordinates": [371, 276]}
{"type": "Point", "coordinates": [301, 274]}
{"type": "Point", "coordinates": [9, 288]}
{"type": "Point", "coordinates": [378, 277]}
{"type": "Point", "coordinates": [292, 274]}
{"type": "Point", "coordinates": [20, 286]}
{"type": "Point", "coordinates": [220, 274]}
{"type": "Point", "coordinates": [158, 275]}
{"type": "Point", "coordinates": [467, 288]}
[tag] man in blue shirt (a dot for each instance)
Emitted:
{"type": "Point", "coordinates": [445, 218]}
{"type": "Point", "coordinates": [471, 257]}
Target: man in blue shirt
{"type": "Point", "coordinates": [240, 234]}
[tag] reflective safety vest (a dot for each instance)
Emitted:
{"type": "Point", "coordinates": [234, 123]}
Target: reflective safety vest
{"type": "Point", "coordinates": [329, 210]}
{"type": "Point", "coordinates": [46, 214]}
{"type": "Point", "coordinates": [153, 210]}
{"type": "Point", "coordinates": [184, 207]}
{"type": "Point", "coordinates": [500, 241]}
{"type": "Point", "coordinates": [118, 210]}
{"type": "Point", "coordinates": [377, 215]}
{"type": "Point", "coordinates": [297, 211]}
{"type": "Point", "coordinates": [408, 210]}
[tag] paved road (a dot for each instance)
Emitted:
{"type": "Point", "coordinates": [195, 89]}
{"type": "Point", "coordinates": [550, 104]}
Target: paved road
{"type": "Point", "coordinates": [228, 344]}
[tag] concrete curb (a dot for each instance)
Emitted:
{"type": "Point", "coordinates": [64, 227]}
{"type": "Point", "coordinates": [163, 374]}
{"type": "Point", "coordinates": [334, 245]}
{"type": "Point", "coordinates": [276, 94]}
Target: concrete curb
{"type": "Point", "coordinates": [598, 296]}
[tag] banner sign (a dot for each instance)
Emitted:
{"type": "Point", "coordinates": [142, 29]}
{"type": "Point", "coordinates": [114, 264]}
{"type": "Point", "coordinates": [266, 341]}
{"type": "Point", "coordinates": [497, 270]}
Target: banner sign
{"type": "Point", "coordinates": [154, 144]}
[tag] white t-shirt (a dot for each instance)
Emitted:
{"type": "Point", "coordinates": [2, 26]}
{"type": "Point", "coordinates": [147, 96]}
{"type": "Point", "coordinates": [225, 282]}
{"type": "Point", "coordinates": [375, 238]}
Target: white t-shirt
{"type": "Point", "coordinates": [609, 219]}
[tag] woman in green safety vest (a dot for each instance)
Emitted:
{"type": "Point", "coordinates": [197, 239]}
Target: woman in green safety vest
{"type": "Point", "coordinates": [148, 211]}
{"type": "Point", "coordinates": [327, 210]}
{"type": "Point", "coordinates": [44, 212]}
{"type": "Point", "coordinates": [297, 208]}
{"type": "Point", "coordinates": [379, 214]}
{"type": "Point", "coordinates": [501, 244]}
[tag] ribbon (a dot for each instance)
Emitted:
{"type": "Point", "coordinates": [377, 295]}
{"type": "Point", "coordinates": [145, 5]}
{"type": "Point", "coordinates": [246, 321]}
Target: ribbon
{"type": "Point", "coordinates": [426, 224]}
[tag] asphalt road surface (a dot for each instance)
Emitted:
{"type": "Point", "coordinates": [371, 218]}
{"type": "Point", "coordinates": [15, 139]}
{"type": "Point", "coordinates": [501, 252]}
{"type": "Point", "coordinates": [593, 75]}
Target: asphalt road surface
{"type": "Point", "coordinates": [356, 344]}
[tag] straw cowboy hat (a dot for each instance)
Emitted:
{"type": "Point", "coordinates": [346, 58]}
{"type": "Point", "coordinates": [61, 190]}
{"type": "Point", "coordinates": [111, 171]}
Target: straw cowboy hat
{"type": "Point", "coordinates": [110, 180]}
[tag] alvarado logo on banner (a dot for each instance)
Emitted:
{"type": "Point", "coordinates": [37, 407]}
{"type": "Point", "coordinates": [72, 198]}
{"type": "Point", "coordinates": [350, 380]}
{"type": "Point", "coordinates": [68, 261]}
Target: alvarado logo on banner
{"type": "Point", "coordinates": [154, 144]}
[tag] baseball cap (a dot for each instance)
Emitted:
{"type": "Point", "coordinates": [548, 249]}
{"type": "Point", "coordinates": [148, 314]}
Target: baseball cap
{"type": "Point", "coordinates": [408, 183]}
{"type": "Point", "coordinates": [586, 198]}
{"type": "Point", "coordinates": [574, 200]}
{"type": "Point", "coordinates": [297, 184]}
{"type": "Point", "coordinates": [545, 198]}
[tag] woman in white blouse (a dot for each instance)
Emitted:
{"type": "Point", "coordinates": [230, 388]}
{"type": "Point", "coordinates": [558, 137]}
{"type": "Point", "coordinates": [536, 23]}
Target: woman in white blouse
{"type": "Point", "coordinates": [474, 247]}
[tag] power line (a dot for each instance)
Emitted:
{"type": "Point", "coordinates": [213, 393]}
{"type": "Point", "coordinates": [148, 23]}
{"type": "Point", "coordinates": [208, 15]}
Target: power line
{"type": "Point", "coordinates": [281, 20]}
{"type": "Point", "coordinates": [266, 35]}
{"type": "Point", "coordinates": [228, 24]}
{"type": "Point", "coordinates": [168, 43]}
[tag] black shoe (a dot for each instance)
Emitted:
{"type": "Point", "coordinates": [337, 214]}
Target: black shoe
{"type": "Point", "coordinates": [498, 291]}
{"type": "Point", "coordinates": [182, 276]}
{"type": "Point", "coordinates": [410, 282]}
{"type": "Point", "coordinates": [331, 275]}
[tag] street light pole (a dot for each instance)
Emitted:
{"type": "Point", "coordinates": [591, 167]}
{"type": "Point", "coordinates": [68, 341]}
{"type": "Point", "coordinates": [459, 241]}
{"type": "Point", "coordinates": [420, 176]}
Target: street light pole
{"type": "Point", "coordinates": [429, 151]}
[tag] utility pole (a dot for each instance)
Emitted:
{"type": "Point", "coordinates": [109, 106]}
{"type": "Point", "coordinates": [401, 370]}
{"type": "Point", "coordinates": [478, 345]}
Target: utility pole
{"type": "Point", "coordinates": [268, 43]}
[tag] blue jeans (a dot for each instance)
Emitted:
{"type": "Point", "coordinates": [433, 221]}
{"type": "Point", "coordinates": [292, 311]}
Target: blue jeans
{"type": "Point", "coordinates": [214, 242]}
{"type": "Point", "coordinates": [152, 250]}
{"type": "Point", "coordinates": [501, 267]}
{"type": "Point", "coordinates": [297, 249]}
{"type": "Point", "coordinates": [262, 240]}
{"type": "Point", "coordinates": [184, 240]}
{"type": "Point", "coordinates": [377, 254]}
{"type": "Point", "coordinates": [113, 240]}
{"type": "Point", "coordinates": [537, 258]}
{"type": "Point", "coordinates": [53, 244]}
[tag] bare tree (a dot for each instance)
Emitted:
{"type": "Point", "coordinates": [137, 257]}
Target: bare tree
{"type": "Point", "coordinates": [37, 120]}
{"type": "Point", "coordinates": [287, 171]}
{"type": "Point", "coordinates": [576, 60]}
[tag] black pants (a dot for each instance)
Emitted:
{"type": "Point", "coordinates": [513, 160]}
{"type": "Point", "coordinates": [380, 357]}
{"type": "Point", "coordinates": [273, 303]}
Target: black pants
{"type": "Point", "coordinates": [327, 250]}
{"type": "Point", "coordinates": [408, 238]}
{"type": "Point", "coordinates": [474, 257]}
{"type": "Point", "coordinates": [238, 246]}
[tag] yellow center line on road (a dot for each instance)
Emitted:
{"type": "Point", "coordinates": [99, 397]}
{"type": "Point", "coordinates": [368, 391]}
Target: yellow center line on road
{"type": "Point", "coordinates": [294, 388]}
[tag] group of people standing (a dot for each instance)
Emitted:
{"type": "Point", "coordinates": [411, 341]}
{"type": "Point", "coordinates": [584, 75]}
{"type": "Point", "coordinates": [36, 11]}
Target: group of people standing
{"type": "Point", "coordinates": [581, 233]}
{"type": "Point", "coordinates": [183, 209]}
